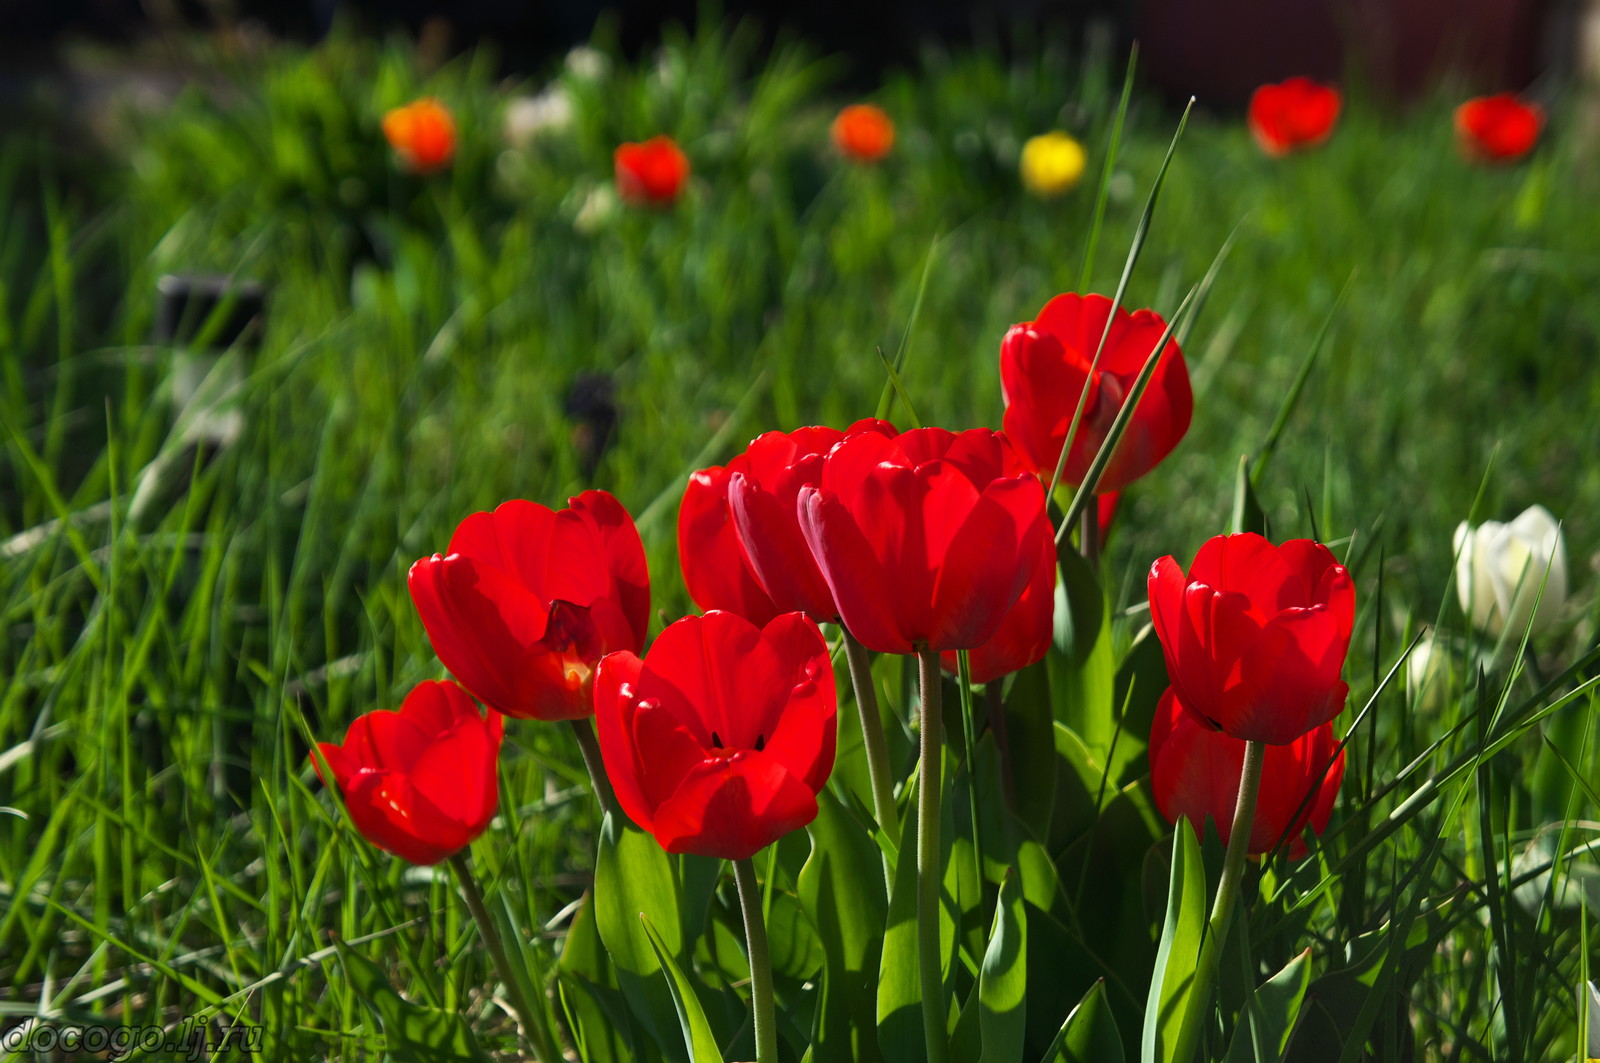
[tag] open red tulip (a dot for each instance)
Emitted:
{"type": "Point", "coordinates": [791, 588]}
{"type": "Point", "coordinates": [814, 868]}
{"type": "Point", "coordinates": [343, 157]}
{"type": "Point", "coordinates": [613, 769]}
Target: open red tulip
{"type": "Point", "coordinates": [763, 490]}
{"type": "Point", "coordinates": [1044, 364]}
{"type": "Point", "coordinates": [1297, 113]}
{"type": "Point", "coordinates": [1255, 635]}
{"type": "Point", "coordinates": [719, 740]}
{"type": "Point", "coordinates": [1497, 129]}
{"type": "Point", "coordinates": [422, 134]}
{"type": "Point", "coordinates": [527, 600]}
{"type": "Point", "coordinates": [651, 174]}
{"type": "Point", "coordinates": [863, 132]}
{"type": "Point", "coordinates": [926, 539]}
{"type": "Point", "coordinates": [1194, 772]}
{"type": "Point", "coordinates": [420, 782]}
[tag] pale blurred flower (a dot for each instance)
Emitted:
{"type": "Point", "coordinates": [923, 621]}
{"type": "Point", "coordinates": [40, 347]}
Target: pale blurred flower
{"type": "Point", "coordinates": [1427, 676]}
{"type": "Point", "coordinates": [530, 117]}
{"type": "Point", "coordinates": [1052, 163]}
{"type": "Point", "coordinates": [598, 209]}
{"type": "Point", "coordinates": [588, 64]}
{"type": "Point", "coordinates": [1500, 569]}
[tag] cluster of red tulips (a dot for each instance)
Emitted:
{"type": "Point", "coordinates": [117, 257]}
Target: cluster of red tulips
{"type": "Point", "coordinates": [928, 542]}
{"type": "Point", "coordinates": [1301, 113]}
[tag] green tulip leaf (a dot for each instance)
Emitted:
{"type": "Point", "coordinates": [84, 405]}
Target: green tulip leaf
{"type": "Point", "coordinates": [697, 1035]}
{"type": "Point", "coordinates": [1172, 981]}
{"type": "Point", "coordinates": [412, 1034]}
{"type": "Point", "coordinates": [1003, 979]}
{"type": "Point", "coordinates": [1090, 1033]}
{"type": "Point", "coordinates": [1029, 730]}
{"type": "Point", "coordinates": [1263, 1029]}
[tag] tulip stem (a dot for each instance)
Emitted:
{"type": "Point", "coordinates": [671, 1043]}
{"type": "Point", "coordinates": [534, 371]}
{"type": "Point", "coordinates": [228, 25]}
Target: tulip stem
{"type": "Point", "coordinates": [755, 935]}
{"type": "Point", "coordinates": [1244, 815]}
{"type": "Point", "coordinates": [533, 1029]}
{"type": "Point", "coordinates": [590, 745]}
{"type": "Point", "coordinates": [872, 738]}
{"type": "Point", "coordinates": [929, 784]}
{"type": "Point", "coordinates": [1089, 536]}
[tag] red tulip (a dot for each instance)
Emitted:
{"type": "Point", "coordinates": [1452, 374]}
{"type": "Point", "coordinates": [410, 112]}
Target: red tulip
{"type": "Point", "coordinates": [651, 174]}
{"type": "Point", "coordinates": [720, 739]}
{"type": "Point", "coordinates": [763, 488]}
{"type": "Point", "coordinates": [526, 601]}
{"type": "Point", "coordinates": [1497, 128]}
{"type": "Point", "coordinates": [715, 570]}
{"type": "Point", "coordinates": [1043, 366]}
{"type": "Point", "coordinates": [422, 134]}
{"type": "Point", "coordinates": [1255, 635]}
{"type": "Point", "coordinates": [863, 132]}
{"type": "Point", "coordinates": [1297, 113]}
{"type": "Point", "coordinates": [1194, 772]}
{"type": "Point", "coordinates": [926, 539]}
{"type": "Point", "coordinates": [420, 782]}
{"type": "Point", "coordinates": [1025, 634]}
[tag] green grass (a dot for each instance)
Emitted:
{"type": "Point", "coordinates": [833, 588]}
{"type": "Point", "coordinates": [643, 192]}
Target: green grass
{"type": "Point", "coordinates": [164, 846]}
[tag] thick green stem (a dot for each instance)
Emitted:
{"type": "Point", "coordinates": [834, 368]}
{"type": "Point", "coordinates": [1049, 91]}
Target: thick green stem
{"type": "Point", "coordinates": [872, 737]}
{"type": "Point", "coordinates": [929, 873]}
{"type": "Point", "coordinates": [590, 745]}
{"type": "Point", "coordinates": [1244, 815]}
{"type": "Point", "coordinates": [755, 935]}
{"type": "Point", "coordinates": [532, 1028]}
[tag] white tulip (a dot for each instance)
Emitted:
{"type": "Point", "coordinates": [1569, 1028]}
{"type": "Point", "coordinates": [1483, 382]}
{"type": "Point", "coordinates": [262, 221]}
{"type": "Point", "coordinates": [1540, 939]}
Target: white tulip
{"type": "Point", "coordinates": [1427, 676]}
{"type": "Point", "coordinates": [1501, 567]}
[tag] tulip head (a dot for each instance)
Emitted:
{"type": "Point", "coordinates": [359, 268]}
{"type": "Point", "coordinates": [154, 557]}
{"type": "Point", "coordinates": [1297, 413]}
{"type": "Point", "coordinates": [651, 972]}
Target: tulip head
{"type": "Point", "coordinates": [863, 133]}
{"type": "Point", "coordinates": [1503, 569]}
{"type": "Point", "coordinates": [419, 782]}
{"type": "Point", "coordinates": [651, 174]}
{"type": "Point", "coordinates": [1194, 773]}
{"type": "Point", "coordinates": [1497, 129]}
{"type": "Point", "coordinates": [1292, 115]}
{"type": "Point", "coordinates": [1045, 366]}
{"type": "Point", "coordinates": [1052, 163]}
{"type": "Point", "coordinates": [926, 539]}
{"type": "Point", "coordinates": [422, 134]}
{"type": "Point", "coordinates": [527, 600]}
{"type": "Point", "coordinates": [718, 741]}
{"type": "Point", "coordinates": [1255, 635]}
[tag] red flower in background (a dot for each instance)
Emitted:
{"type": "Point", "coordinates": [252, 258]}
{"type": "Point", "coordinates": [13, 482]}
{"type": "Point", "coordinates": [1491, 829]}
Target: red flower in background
{"type": "Point", "coordinates": [1255, 635]}
{"type": "Point", "coordinates": [926, 539]}
{"type": "Point", "coordinates": [527, 600]}
{"type": "Point", "coordinates": [863, 132]}
{"type": "Point", "coordinates": [715, 570]}
{"type": "Point", "coordinates": [651, 174]}
{"type": "Point", "coordinates": [1043, 366]}
{"type": "Point", "coordinates": [422, 134]}
{"type": "Point", "coordinates": [1194, 772]}
{"type": "Point", "coordinates": [1297, 113]}
{"type": "Point", "coordinates": [1497, 129]}
{"type": "Point", "coordinates": [420, 782]}
{"type": "Point", "coordinates": [719, 740]}
{"type": "Point", "coordinates": [763, 489]}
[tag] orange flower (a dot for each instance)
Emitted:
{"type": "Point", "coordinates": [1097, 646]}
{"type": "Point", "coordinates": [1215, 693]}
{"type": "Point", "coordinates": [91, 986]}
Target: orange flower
{"type": "Point", "coordinates": [863, 133]}
{"type": "Point", "coordinates": [651, 174]}
{"type": "Point", "coordinates": [1497, 128]}
{"type": "Point", "coordinates": [422, 134]}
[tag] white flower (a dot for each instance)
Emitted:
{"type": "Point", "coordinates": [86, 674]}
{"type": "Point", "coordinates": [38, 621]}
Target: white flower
{"type": "Point", "coordinates": [1500, 568]}
{"type": "Point", "coordinates": [588, 64]}
{"type": "Point", "coordinates": [530, 117]}
{"type": "Point", "coordinates": [1427, 676]}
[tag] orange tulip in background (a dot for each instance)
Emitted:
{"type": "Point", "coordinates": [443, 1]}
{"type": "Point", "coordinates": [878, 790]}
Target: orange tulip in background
{"type": "Point", "coordinates": [422, 134]}
{"type": "Point", "coordinates": [1497, 129]}
{"type": "Point", "coordinates": [651, 174]}
{"type": "Point", "coordinates": [1297, 113]}
{"type": "Point", "coordinates": [863, 132]}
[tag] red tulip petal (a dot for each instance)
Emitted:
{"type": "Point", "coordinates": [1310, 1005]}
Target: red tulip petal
{"type": "Point", "coordinates": [1024, 635]}
{"type": "Point", "coordinates": [616, 688]}
{"type": "Point", "coordinates": [776, 550]}
{"type": "Point", "coordinates": [456, 774]}
{"type": "Point", "coordinates": [621, 558]}
{"type": "Point", "coordinates": [859, 584]}
{"type": "Point", "coordinates": [385, 740]}
{"type": "Point", "coordinates": [1287, 679]}
{"type": "Point", "coordinates": [805, 731]}
{"type": "Point", "coordinates": [988, 563]}
{"type": "Point", "coordinates": [718, 677]}
{"type": "Point", "coordinates": [715, 570]}
{"type": "Point", "coordinates": [732, 809]}
{"type": "Point", "coordinates": [390, 813]}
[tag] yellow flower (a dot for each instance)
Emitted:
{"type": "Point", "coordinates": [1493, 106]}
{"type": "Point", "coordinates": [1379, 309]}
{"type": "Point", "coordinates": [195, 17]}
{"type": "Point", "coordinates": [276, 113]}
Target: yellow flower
{"type": "Point", "coordinates": [1051, 163]}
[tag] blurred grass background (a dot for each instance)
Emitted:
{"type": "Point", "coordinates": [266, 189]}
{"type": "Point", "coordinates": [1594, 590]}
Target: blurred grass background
{"type": "Point", "coordinates": [162, 845]}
